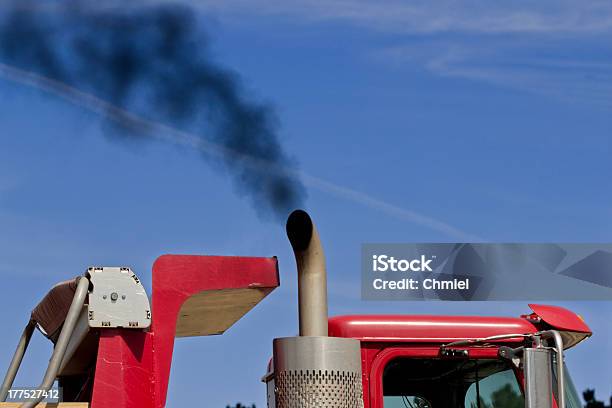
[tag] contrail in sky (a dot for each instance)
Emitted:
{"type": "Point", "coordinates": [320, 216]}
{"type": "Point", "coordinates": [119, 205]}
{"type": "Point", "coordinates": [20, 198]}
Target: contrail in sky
{"type": "Point", "coordinates": [155, 61]}
{"type": "Point", "coordinates": [160, 131]}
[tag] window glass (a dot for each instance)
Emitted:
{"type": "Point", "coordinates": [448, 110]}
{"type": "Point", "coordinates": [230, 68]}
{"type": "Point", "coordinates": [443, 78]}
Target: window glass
{"type": "Point", "coordinates": [448, 383]}
{"type": "Point", "coordinates": [572, 398]}
{"type": "Point", "coordinates": [402, 401]}
{"type": "Point", "coordinates": [499, 390]}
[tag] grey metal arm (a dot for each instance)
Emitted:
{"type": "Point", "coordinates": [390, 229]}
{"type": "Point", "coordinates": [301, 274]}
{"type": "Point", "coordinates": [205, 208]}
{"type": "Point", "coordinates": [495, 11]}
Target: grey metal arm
{"type": "Point", "coordinates": [63, 340]}
{"type": "Point", "coordinates": [16, 361]}
{"type": "Point", "coordinates": [558, 341]}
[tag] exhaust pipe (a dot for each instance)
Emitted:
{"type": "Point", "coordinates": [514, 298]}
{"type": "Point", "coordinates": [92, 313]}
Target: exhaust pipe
{"type": "Point", "coordinates": [313, 370]}
{"type": "Point", "coordinates": [312, 276]}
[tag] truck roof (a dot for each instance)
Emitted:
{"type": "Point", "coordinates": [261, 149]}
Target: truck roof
{"type": "Point", "coordinates": [443, 329]}
{"type": "Point", "coordinates": [425, 328]}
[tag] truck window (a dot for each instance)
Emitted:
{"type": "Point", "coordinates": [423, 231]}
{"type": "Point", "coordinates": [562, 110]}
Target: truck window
{"type": "Point", "coordinates": [499, 390]}
{"type": "Point", "coordinates": [447, 383]}
{"type": "Point", "coordinates": [572, 398]}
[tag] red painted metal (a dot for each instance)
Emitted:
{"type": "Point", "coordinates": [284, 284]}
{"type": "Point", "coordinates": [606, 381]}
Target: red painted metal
{"type": "Point", "coordinates": [385, 337]}
{"type": "Point", "coordinates": [124, 370]}
{"type": "Point", "coordinates": [425, 329]}
{"type": "Point", "coordinates": [133, 367]}
{"type": "Point", "coordinates": [374, 391]}
{"type": "Point", "coordinates": [560, 318]}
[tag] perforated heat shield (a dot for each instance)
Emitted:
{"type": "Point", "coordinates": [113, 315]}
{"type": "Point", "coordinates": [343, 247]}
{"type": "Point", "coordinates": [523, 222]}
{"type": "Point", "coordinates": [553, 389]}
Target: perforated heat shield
{"type": "Point", "coordinates": [317, 372]}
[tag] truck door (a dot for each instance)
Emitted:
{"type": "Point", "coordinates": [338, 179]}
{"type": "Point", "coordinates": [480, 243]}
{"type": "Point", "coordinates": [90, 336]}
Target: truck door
{"type": "Point", "coordinates": [420, 378]}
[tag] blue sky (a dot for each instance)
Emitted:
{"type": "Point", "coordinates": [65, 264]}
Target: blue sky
{"type": "Point", "coordinates": [424, 122]}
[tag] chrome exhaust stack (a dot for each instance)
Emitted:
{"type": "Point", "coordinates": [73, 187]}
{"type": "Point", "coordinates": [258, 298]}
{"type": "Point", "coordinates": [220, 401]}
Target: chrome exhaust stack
{"type": "Point", "coordinates": [313, 370]}
{"type": "Point", "coordinates": [312, 276]}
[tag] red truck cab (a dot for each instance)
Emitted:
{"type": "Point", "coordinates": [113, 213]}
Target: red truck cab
{"type": "Point", "coordinates": [403, 366]}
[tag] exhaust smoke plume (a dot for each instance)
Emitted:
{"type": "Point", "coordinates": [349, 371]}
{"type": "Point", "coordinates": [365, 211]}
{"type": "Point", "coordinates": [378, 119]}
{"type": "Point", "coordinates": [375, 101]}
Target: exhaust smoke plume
{"type": "Point", "coordinates": [153, 61]}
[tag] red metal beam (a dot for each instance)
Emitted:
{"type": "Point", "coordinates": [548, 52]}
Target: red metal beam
{"type": "Point", "coordinates": [133, 367]}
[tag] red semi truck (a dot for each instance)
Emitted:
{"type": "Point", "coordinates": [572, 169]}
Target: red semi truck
{"type": "Point", "coordinates": [113, 347]}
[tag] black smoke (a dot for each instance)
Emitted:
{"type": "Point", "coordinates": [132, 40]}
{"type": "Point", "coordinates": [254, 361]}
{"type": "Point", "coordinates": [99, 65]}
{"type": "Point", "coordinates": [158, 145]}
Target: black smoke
{"type": "Point", "coordinates": [155, 61]}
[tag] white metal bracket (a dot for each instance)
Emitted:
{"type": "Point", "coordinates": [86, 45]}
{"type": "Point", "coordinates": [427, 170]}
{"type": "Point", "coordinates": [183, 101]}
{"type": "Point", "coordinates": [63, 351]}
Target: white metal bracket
{"type": "Point", "coordinates": [117, 299]}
